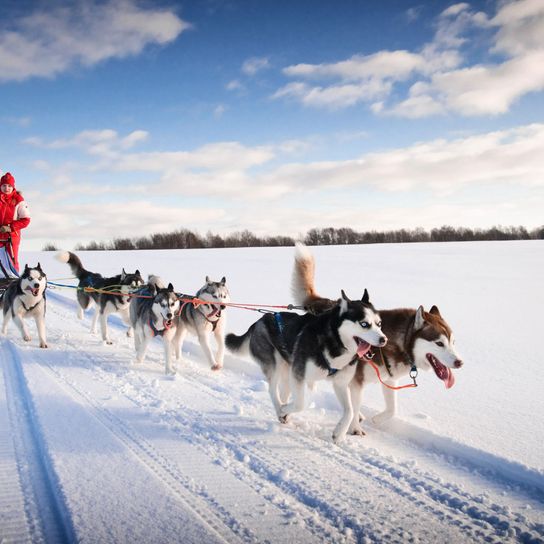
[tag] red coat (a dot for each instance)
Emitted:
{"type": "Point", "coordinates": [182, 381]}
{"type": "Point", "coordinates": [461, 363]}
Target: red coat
{"type": "Point", "coordinates": [13, 212]}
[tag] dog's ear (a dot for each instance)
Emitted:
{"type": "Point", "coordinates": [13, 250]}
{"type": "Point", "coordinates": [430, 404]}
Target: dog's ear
{"type": "Point", "coordinates": [26, 269]}
{"type": "Point", "coordinates": [152, 289]}
{"type": "Point", "coordinates": [39, 267]}
{"type": "Point", "coordinates": [366, 297]}
{"type": "Point", "coordinates": [344, 302]}
{"type": "Point", "coordinates": [137, 273]}
{"type": "Point", "coordinates": [208, 279]}
{"type": "Point", "coordinates": [123, 274]}
{"type": "Point", "coordinates": [170, 288]}
{"type": "Point", "coordinates": [435, 311]}
{"type": "Point", "coordinates": [419, 319]}
{"type": "Point", "coordinates": [223, 280]}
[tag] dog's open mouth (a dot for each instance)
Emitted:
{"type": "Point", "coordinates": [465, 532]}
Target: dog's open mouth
{"type": "Point", "coordinates": [362, 346]}
{"type": "Point", "coordinates": [167, 323]}
{"type": "Point", "coordinates": [442, 371]}
{"type": "Point", "coordinates": [35, 291]}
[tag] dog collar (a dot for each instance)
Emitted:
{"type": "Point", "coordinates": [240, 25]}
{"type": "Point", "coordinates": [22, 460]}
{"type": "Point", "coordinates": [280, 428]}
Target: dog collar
{"type": "Point", "coordinates": [332, 371]}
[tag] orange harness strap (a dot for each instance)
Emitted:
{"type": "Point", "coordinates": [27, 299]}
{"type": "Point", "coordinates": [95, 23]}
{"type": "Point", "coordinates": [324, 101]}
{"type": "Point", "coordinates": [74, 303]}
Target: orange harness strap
{"type": "Point", "coordinates": [413, 375]}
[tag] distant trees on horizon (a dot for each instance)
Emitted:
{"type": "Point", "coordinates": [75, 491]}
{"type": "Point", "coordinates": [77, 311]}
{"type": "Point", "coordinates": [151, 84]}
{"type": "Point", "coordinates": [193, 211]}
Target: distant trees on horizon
{"type": "Point", "coordinates": [187, 239]}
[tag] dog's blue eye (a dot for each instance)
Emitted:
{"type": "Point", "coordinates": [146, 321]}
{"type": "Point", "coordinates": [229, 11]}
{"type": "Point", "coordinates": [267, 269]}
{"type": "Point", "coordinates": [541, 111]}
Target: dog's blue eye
{"type": "Point", "coordinates": [364, 324]}
{"type": "Point", "coordinates": [379, 323]}
{"type": "Point", "coordinates": [441, 344]}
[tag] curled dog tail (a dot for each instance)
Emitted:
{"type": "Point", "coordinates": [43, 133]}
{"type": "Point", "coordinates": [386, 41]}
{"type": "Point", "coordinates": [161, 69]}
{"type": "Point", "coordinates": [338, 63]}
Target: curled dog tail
{"type": "Point", "coordinates": [152, 279]}
{"type": "Point", "coordinates": [74, 262]}
{"type": "Point", "coordinates": [302, 283]}
{"type": "Point", "coordinates": [239, 344]}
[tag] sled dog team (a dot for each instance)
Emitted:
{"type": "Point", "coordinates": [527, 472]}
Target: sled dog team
{"type": "Point", "coordinates": [334, 340]}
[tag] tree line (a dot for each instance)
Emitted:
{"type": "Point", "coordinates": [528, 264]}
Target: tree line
{"type": "Point", "coordinates": [187, 239]}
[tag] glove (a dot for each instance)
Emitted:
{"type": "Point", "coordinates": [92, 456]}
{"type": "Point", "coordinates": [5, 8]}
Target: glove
{"type": "Point", "coordinates": [5, 228]}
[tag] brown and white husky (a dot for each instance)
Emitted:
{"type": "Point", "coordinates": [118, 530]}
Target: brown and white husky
{"type": "Point", "coordinates": [415, 338]}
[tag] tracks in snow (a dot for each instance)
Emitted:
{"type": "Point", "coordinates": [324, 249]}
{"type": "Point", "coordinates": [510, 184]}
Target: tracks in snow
{"type": "Point", "coordinates": [250, 480]}
{"type": "Point", "coordinates": [38, 512]}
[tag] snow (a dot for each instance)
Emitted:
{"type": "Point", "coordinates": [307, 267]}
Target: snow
{"type": "Point", "coordinates": [95, 448]}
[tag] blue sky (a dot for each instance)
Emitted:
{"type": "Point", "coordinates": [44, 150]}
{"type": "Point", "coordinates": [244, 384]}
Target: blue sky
{"type": "Point", "coordinates": [125, 118]}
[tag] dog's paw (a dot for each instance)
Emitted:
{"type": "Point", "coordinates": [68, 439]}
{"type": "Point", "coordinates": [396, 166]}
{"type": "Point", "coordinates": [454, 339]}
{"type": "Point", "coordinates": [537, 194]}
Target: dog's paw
{"type": "Point", "coordinates": [43, 345]}
{"type": "Point", "coordinates": [217, 367]}
{"type": "Point", "coordinates": [338, 438]}
{"type": "Point", "coordinates": [283, 419]}
{"type": "Point", "coordinates": [356, 430]}
{"type": "Point", "coordinates": [108, 342]}
{"type": "Point", "coordinates": [27, 338]}
{"type": "Point", "coordinates": [129, 334]}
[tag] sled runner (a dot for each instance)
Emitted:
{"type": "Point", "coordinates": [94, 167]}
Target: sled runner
{"type": "Point", "coordinates": [7, 269]}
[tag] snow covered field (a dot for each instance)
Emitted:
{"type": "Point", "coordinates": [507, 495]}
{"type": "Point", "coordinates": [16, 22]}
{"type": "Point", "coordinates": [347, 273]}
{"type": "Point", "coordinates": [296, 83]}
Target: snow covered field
{"type": "Point", "coordinates": [96, 449]}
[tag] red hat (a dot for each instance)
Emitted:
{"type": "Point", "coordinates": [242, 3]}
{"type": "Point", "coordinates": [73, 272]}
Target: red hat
{"type": "Point", "coordinates": [7, 178]}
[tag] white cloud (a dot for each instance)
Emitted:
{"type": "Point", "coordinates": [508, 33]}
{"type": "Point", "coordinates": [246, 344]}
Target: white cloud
{"type": "Point", "coordinates": [94, 142]}
{"type": "Point", "coordinates": [386, 64]}
{"type": "Point", "coordinates": [258, 188]}
{"type": "Point", "coordinates": [520, 27]}
{"type": "Point", "coordinates": [46, 43]}
{"type": "Point", "coordinates": [439, 83]}
{"type": "Point", "coordinates": [234, 85]}
{"type": "Point", "coordinates": [255, 64]}
{"type": "Point", "coordinates": [334, 96]}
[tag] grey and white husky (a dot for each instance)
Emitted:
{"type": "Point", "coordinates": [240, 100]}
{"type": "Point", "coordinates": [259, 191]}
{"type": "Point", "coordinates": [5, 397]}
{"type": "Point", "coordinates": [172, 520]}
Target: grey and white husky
{"type": "Point", "coordinates": [416, 338]}
{"type": "Point", "coordinates": [296, 350]}
{"type": "Point", "coordinates": [24, 298]}
{"type": "Point", "coordinates": [106, 303]}
{"type": "Point", "coordinates": [152, 313]}
{"type": "Point", "coordinates": [204, 319]}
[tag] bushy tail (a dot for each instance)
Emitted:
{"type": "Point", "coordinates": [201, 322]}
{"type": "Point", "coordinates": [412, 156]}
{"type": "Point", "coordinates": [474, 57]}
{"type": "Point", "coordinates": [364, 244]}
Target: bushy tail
{"type": "Point", "coordinates": [156, 281]}
{"type": "Point", "coordinates": [302, 280]}
{"type": "Point", "coordinates": [302, 283]}
{"type": "Point", "coordinates": [73, 261]}
{"type": "Point", "coordinates": [239, 344]}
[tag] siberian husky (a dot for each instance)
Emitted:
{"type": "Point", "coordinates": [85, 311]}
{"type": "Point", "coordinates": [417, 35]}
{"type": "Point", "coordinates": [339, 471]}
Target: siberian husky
{"type": "Point", "coordinates": [153, 314]}
{"type": "Point", "coordinates": [203, 319]}
{"type": "Point", "coordinates": [296, 350]}
{"type": "Point", "coordinates": [106, 303]}
{"type": "Point", "coordinates": [24, 298]}
{"type": "Point", "coordinates": [416, 338]}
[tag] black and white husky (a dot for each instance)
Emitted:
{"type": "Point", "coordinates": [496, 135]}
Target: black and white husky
{"type": "Point", "coordinates": [106, 303]}
{"type": "Point", "coordinates": [416, 338]}
{"type": "Point", "coordinates": [152, 313]}
{"type": "Point", "coordinates": [204, 319]}
{"type": "Point", "coordinates": [24, 298]}
{"type": "Point", "coordinates": [296, 350]}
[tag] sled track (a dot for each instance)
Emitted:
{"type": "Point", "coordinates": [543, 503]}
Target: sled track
{"type": "Point", "coordinates": [165, 469]}
{"type": "Point", "coordinates": [183, 488]}
{"type": "Point", "coordinates": [47, 517]}
{"type": "Point", "coordinates": [443, 500]}
{"type": "Point", "coordinates": [259, 467]}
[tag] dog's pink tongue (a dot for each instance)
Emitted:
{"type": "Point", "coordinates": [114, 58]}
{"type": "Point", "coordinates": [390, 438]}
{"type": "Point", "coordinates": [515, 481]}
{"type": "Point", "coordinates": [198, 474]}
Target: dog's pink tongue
{"type": "Point", "coordinates": [362, 348]}
{"type": "Point", "coordinates": [449, 380]}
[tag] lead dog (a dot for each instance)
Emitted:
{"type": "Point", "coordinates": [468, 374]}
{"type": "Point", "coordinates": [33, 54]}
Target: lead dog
{"type": "Point", "coordinates": [415, 337]}
{"type": "Point", "coordinates": [204, 319]}
{"type": "Point", "coordinates": [296, 350]}
{"type": "Point", "coordinates": [152, 313]}
{"type": "Point", "coordinates": [106, 303]}
{"type": "Point", "coordinates": [24, 298]}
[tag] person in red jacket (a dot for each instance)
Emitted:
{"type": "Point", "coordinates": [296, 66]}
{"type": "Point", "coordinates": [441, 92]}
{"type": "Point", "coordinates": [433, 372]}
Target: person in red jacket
{"type": "Point", "coordinates": [14, 216]}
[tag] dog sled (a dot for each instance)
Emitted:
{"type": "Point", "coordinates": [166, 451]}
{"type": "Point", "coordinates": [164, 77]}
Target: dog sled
{"type": "Point", "coordinates": [8, 272]}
